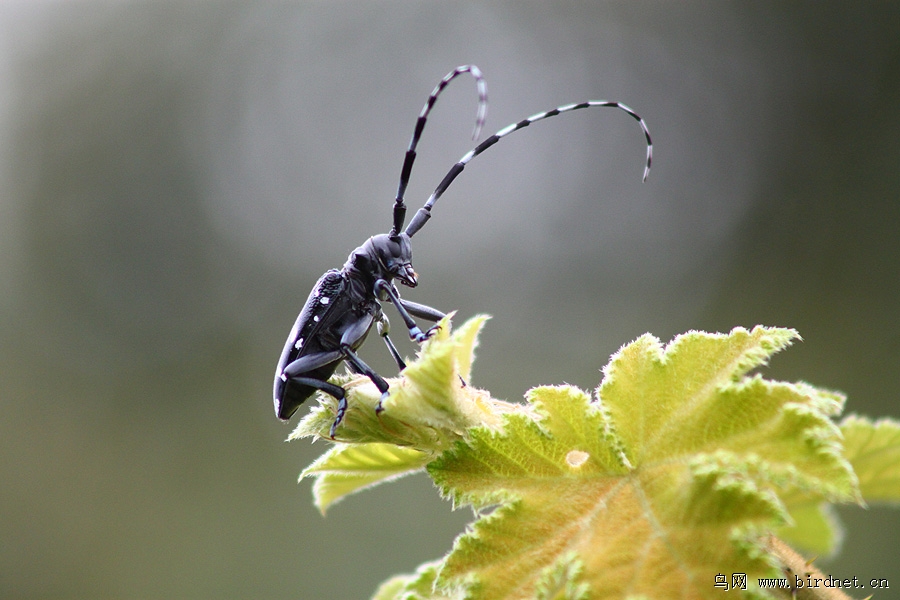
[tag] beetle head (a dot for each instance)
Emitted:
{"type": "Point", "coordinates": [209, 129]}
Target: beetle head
{"type": "Point", "coordinates": [394, 254]}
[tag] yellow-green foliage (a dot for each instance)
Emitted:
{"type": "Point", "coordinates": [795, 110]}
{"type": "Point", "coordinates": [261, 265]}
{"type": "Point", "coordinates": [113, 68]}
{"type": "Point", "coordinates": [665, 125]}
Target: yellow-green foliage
{"type": "Point", "coordinates": [680, 466]}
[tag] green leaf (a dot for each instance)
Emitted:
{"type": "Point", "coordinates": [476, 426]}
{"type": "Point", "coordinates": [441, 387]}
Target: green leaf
{"type": "Point", "coordinates": [419, 586]}
{"type": "Point", "coordinates": [813, 526]}
{"type": "Point", "coordinates": [874, 451]}
{"type": "Point", "coordinates": [666, 479]}
{"type": "Point", "coordinates": [347, 469]}
{"type": "Point", "coordinates": [563, 580]}
{"type": "Point", "coordinates": [681, 467]}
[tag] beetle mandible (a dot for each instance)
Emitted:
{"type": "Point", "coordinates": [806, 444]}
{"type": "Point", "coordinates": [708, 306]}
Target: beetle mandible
{"type": "Point", "coordinates": [345, 303]}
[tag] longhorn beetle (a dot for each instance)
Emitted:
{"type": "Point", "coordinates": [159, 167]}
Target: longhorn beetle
{"type": "Point", "coordinates": [344, 304]}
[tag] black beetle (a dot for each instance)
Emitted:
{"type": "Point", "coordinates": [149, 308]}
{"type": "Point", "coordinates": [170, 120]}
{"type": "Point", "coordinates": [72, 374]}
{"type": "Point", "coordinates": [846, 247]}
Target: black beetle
{"type": "Point", "coordinates": [344, 304]}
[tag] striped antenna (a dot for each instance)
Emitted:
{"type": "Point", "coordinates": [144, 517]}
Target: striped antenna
{"type": "Point", "coordinates": [424, 213]}
{"type": "Point", "coordinates": [406, 171]}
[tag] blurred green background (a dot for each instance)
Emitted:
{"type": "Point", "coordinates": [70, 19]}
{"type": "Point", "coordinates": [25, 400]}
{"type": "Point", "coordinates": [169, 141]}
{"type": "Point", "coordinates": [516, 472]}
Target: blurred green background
{"type": "Point", "coordinates": [175, 176]}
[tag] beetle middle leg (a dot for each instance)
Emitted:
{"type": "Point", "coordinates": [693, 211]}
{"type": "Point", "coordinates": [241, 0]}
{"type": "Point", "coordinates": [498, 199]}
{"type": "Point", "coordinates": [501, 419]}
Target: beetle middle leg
{"type": "Point", "coordinates": [384, 330]}
{"type": "Point", "coordinates": [353, 334]}
{"type": "Point", "coordinates": [366, 370]}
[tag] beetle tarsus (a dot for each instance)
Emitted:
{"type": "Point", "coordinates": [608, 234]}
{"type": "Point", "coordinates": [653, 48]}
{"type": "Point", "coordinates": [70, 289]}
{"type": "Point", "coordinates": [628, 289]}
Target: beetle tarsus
{"type": "Point", "coordinates": [379, 408]}
{"type": "Point", "coordinates": [342, 409]}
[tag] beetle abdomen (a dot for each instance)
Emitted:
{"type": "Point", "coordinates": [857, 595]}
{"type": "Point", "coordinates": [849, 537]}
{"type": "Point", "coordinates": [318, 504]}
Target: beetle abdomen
{"type": "Point", "coordinates": [306, 337]}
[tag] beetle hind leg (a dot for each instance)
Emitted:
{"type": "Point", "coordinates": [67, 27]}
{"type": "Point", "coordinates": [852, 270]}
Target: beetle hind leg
{"type": "Point", "coordinates": [342, 408]}
{"type": "Point", "coordinates": [335, 391]}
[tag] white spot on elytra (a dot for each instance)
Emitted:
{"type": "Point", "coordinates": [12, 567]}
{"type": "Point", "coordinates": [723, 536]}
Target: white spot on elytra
{"type": "Point", "coordinates": [316, 318]}
{"type": "Point", "coordinates": [576, 458]}
{"type": "Point", "coordinates": [298, 344]}
{"type": "Point", "coordinates": [324, 300]}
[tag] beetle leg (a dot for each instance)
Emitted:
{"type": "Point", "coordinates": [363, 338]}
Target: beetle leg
{"type": "Point", "coordinates": [332, 390]}
{"type": "Point", "coordinates": [366, 370]}
{"type": "Point", "coordinates": [384, 328]}
{"type": "Point", "coordinates": [342, 408]}
{"type": "Point", "coordinates": [415, 334]}
{"type": "Point", "coordinates": [352, 368]}
{"type": "Point", "coordinates": [355, 332]}
{"type": "Point", "coordinates": [422, 311]}
{"type": "Point", "coordinates": [329, 388]}
{"type": "Point", "coordinates": [310, 362]}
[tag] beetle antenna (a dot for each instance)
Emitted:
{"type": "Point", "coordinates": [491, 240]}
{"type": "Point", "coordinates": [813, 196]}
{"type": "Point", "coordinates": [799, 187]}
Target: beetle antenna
{"type": "Point", "coordinates": [424, 213]}
{"type": "Point", "coordinates": [406, 171]}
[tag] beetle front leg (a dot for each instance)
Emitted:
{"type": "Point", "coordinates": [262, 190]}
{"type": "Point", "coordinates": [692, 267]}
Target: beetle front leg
{"type": "Point", "coordinates": [383, 288]}
{"type": "Point", "coordinates": [423, 311]}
